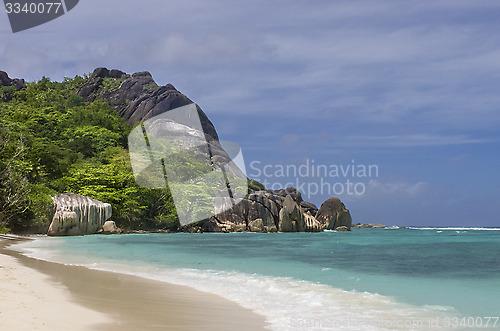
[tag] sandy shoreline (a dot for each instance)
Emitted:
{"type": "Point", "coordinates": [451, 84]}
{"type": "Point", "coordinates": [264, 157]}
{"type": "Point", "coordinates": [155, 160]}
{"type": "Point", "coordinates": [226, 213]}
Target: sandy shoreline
{"type": "Point", "coordinates": [39, 295]}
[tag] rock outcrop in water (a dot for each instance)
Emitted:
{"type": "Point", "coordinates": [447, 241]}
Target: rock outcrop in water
{"type": "Point", "coordinates": [272, 211]}
{"type": "Point", "coordinates": [369, 226]}
{"type": "Point", "coordinates": [333, 214]}
{"type": "Point", "coordinates": [77, 215]}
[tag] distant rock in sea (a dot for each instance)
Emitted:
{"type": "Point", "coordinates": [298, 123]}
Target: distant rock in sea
{"type": "Point", "coordinates": [369, 226]}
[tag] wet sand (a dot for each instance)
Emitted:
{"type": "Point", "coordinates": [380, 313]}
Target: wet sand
{"type": "Point", "coordinates": [39, 295]}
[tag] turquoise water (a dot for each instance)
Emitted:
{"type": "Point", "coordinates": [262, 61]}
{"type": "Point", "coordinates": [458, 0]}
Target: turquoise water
{"type": "Point", "coordinates": [372, 277]}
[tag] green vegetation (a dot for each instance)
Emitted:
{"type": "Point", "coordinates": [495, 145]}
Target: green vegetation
{"type": "Point", "coordinates": [7, 93]}
{"type": "Point", "coordinates": [152, 86]}
{"type": "Point", "coordinates": [51, 141]}
{"type": "Point", "coordinates": [255, 185]}
{"type": "Point", "coordinates": [111, 83]}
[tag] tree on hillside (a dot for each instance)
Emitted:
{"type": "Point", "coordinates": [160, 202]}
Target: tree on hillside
{"type": "Point", "coordinates": [14, 187]}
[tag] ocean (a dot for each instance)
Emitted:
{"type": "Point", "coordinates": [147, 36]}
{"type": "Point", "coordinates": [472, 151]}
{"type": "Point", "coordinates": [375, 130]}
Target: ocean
{"type": "Point", "coordinates": [366, 279]}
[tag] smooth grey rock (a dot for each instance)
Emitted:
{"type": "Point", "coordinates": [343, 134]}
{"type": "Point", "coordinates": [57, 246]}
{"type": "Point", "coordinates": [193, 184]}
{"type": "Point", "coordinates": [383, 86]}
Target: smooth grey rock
{"type": "Point", "coordinates": [211, 226]}
{"type": "Point", "coordinates": [77, 215]}
{"type": "Point", "coordinates": [271, 228]}
{"type": "Point", "coordinates": [257, 205]}
{"type": "Point", "coordinates": [291, 218]}
{"type": "Point", "coordinates": [291, 191]}
{"type": "Point", "coordinates": [256, 225]}
{"type": "Point", "coordinates": [333, 214]}
{"type": "Point", "coordinates": [309, 207]}
{"type": "Point", "coordinates": [310, 224]}
{"type": "Point", "coordinates": [109, 227]}
{"type": "Point", "coordinates": [263, 205]}
{"type": "Point", "coordinates": [100, 72]}
{"type": "Point", "coordinates": [266, 206]}
{"type": "Point", "coordinates": [116, 73]}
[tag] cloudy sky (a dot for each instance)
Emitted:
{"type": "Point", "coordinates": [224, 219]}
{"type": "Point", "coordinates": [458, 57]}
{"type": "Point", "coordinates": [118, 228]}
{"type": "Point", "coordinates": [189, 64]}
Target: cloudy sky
{"type": "Point", "coordinates": [408, 86]}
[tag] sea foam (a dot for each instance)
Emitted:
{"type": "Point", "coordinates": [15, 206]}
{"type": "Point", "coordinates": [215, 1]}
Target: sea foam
{"type": "Point", "coordinates": [455, 228]}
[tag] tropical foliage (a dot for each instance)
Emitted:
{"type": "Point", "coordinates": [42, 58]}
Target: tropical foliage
{"type": "Point", "coordinates": [51, 141]}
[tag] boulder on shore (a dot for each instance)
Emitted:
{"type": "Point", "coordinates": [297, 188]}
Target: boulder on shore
{"type": "Point", "coordinates": [77, 215]}
{"type": "Point", "coordinates": [256, 225]}
{"type": "Point", "coordinates": [110, 227]}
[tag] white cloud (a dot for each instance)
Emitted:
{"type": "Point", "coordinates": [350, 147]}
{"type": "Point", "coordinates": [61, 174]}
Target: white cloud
{"type": "Point", "coordinates": [384, 189]}
{"type": "Point", "coordinates": [374, 61]}
{"type": "Point", "coordinates": [409, 140]}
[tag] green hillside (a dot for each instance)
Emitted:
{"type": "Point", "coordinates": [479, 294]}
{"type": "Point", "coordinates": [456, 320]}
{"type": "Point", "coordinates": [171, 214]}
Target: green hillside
{"type": "Point", "coordinates": [51, 141]}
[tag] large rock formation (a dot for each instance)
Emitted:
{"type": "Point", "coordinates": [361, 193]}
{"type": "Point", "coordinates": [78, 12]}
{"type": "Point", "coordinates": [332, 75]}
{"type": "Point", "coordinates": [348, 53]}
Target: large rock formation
{"type": "Point", "coordinates": [333, 214]}
{"type": "Point", "coordinates": [137, 97]}
{"type": "Point", "coordinates": [259, 205]}
{"type": "Point", "coordinates": [265, 211]}
{"type": "Point", "coordinates": [293, 218]}
{"type": "Point", "coordinates": [178, 130]}
{"type": "Point", "coordinates": [77, 215]}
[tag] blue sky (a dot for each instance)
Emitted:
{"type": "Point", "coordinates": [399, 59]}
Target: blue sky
{"type": "Point", "coordinates": [410, 86]}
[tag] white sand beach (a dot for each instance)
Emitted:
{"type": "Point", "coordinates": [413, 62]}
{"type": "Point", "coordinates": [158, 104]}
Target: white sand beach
{"type": "Point", "coordinates": [30, 300]}
{"type": "Point", "coordinates": [39, 295]}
